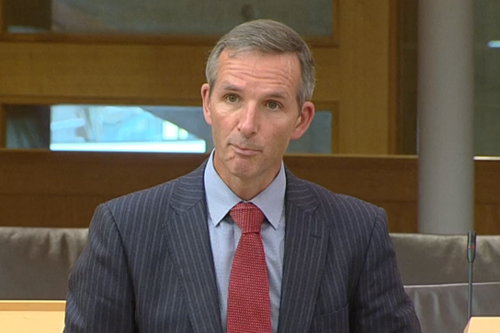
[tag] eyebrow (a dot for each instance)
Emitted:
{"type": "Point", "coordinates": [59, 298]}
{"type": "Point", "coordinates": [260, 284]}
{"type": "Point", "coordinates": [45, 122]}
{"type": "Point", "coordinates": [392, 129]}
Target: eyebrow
{"type": "Point", "coordinates": [277, 95]}
{"type": "Point", "coordinates": [231, 87]}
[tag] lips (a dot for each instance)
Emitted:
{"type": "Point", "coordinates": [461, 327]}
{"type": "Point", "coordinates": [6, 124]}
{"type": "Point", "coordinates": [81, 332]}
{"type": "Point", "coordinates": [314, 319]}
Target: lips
{"type": "Point", "coordinates": [244, 150]}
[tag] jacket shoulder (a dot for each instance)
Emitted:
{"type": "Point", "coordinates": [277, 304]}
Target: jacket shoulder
{"type": "Point", "coordinates": [180, 192]}
{"type": "Point", "coordinates": [336, 202]}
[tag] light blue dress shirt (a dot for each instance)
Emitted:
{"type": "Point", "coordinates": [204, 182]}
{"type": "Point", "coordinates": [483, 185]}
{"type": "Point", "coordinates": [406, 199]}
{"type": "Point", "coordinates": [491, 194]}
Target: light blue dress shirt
{"type": "Point", "coordinates": [225, 234]}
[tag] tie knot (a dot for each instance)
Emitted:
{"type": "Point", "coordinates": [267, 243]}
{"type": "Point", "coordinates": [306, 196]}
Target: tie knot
{"type": "Point", "coordinates": [248, 217]}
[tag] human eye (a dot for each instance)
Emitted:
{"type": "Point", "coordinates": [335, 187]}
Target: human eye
{"type": "Point", "coordinates": [232, 98]}
{"type": "Point", "coordinates": [273, 105]}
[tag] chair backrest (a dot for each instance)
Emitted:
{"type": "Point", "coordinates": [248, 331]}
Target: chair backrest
{"type": "Point", "coordinates": [434, 270]}
{"type": "Point", "coordinates": [35, 263]}
{"type": "Point", "coordinates": [442, 259]}
{"type": "Point", "coordinates": [443, 308]}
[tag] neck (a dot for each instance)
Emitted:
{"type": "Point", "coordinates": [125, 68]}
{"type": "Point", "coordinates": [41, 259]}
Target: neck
{"type": "Point", "coordinates": [246, 185]}
{"type": "Point", "coordinates": [247, 189]}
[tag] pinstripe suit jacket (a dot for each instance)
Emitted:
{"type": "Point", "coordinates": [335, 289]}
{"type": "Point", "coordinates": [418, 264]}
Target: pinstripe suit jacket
{"type": "Point", "coordinates": [148, 266]}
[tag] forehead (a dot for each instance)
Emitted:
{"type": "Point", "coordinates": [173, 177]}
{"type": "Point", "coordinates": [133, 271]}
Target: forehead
{"type": "Point", "coordinates": [279, 69]}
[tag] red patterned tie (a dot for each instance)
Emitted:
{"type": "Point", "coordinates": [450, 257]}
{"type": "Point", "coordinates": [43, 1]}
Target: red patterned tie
{"type": "Point", "coordinates": [249, 309]}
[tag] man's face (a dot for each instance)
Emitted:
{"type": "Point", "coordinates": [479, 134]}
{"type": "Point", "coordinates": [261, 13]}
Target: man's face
{"type": "Point", "coordinates": [253, 110]}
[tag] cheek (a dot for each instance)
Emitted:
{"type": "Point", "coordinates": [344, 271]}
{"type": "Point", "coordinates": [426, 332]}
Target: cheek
{"type": "Point", "coordinates": [279, 137]}
{"type": "Point", "coordinates": [220, 129]}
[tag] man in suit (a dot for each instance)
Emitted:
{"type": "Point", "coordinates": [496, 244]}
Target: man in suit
{"type": "Point", "coordinates": [169, 258]}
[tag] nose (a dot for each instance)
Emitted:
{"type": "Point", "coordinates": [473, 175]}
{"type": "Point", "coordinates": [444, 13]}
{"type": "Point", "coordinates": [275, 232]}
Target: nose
{"type": "Point", "coordinates": [248, 122]}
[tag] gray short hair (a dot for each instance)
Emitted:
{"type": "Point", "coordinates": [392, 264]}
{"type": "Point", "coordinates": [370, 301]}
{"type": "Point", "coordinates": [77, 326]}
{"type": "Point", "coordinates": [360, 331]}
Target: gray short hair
{"type": "Point", "coordinates": [267, 37]}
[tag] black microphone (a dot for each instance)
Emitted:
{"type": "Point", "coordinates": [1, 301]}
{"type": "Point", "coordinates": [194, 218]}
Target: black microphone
{"type": "Point", "coordinates": [471, 255]}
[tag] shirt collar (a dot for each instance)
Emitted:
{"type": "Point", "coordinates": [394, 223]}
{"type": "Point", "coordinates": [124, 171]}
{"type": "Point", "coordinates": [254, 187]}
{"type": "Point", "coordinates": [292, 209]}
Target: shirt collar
{"type": "Point", "coordinates": [220, 198]}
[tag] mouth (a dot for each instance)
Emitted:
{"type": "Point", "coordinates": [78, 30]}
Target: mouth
{"type": "Point", "coordinates": [244, 151]}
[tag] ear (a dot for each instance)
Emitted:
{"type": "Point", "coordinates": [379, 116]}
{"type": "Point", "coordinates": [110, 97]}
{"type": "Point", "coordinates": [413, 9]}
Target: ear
{"type": "Point", "coordinates": [303, 121]}
{"type": "Point", "coordinates": [205, 97]}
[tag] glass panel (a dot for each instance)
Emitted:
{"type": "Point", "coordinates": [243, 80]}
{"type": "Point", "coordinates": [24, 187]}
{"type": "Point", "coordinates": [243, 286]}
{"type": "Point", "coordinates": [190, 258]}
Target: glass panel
{"type": "Point", "coordinates": [118, 128]}
{"type": "Point", "coordinates": [487, 77]}
{"type": "Point", "coordinates": [173, 129]}
{"type": "Point", "coordinates": [487, 84]}
{"type": "Point", "coordinates": [317, 139]}
{"type": "Point", "coordinates": [27, 127]}
{"type": "Point", "coordinates": [187, 17]}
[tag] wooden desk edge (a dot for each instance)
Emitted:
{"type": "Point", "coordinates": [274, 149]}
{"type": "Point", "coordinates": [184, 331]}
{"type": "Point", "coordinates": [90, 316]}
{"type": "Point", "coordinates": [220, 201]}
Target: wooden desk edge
{"type": "Point", "coordinates": [32, 305]}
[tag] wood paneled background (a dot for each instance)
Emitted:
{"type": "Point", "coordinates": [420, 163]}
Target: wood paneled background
{"type": "Point", "coordinates": [353, 73]}
{"type": "Point", "coordinates": [59, 189]}
{"type": "Point", "coordinates": [40, 188]}
{"type": "Point", "coordinates": [356, 74]}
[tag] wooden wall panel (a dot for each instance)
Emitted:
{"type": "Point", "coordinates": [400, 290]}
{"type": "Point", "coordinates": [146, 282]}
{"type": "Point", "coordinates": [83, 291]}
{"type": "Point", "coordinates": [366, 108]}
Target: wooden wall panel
{"type": "Point", "coordinates": [327, 74]}
{"type": "Point", "coordinates": [487, 217]}
{"type": "Point", "coordinates": [364, 82]}
{"type": "Point", "coordinates": [131, 73]}
{"type": "Point", "coordinates": [28, 13]}
{"type": "Point", "coordinates": [407, 76]}
{"type": "Point", "coordinates": [45, 210]}
{"type": "Point", "coordinates": [487, 191]}
{"type": "Point", "coordinates": [2, 15]}
{"type": "Point", "coordinates": [39, 188]}
{"type": "Point", "coordinates": [355, 73]}
{"type": "Point", "coordinates": [3, 127]}
{"type": "Point", "coordinates": [393, 129]}
{"type": "Point", "coordinates": [88, 174]}
{"type": "Point", "coordinates": [403, 216]}
{"type": "Point", "coordinates": [368, 178]}
{"type": "Point", "coordinates": [487, 186]}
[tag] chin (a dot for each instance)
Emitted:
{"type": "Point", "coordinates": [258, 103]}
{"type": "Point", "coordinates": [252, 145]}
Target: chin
{"type": "Point", "coordinates": [242, 171]}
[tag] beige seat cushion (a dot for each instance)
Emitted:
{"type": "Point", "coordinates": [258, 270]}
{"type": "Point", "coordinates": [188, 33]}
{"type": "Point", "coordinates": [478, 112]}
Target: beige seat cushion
{"type": "Point", "coordinates": [442, 259]}
{"type": "Point", "coordinates": [35, 262]}
{"type": "Point", "coordinates": [443, 308]}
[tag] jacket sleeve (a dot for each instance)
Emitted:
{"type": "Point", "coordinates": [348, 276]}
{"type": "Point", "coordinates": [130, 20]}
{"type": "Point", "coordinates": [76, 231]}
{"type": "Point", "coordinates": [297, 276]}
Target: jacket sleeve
{"type": "Point", "coordinates": [100, 297]}
{"type": "Point", "coordinates": [380, 302]}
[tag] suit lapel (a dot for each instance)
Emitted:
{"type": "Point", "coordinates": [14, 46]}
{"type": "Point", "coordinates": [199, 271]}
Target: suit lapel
{"type": "Point", "coordinates": [306, 242]}
{"type": "Point", "coordinates": [189, 244]}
